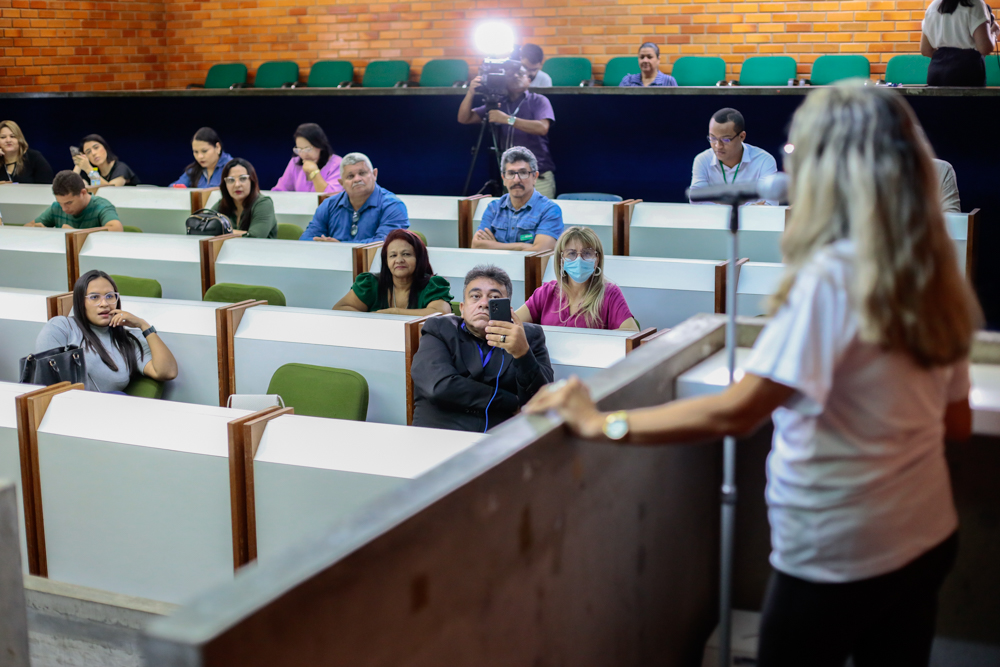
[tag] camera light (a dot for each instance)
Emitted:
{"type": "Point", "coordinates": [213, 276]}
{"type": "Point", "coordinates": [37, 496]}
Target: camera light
{"type": "Point", "coordinates": [494, 38]}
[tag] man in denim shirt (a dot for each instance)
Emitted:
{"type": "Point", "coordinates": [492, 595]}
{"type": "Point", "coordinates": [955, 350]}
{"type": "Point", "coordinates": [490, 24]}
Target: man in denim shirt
{"type": "Point", "coordinates": [362, 213]}
{"type": "Point", "coordinates": [523, 219]}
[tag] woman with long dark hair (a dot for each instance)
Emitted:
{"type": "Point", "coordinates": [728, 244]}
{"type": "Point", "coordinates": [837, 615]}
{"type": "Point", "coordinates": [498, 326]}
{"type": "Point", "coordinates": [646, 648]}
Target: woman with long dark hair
{"type": "Point", "coordinates": [956, 35]}
{"type": "Point", "coordinates": [97, 155]}
{"type": "Point", "coordinates": [315, 167]}
{"type": "Point", "coordinates": [209, 159]}
{"type": "Point", "coordinates": [406, 285]}
{"type": "Point", "coordinates": [251, 212]}
{"type": "Point", "coordinates": [110, 338]}
{"type": "Point", "coordinates": [864, 370]}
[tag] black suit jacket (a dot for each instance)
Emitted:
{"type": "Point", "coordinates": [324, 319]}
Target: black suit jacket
{"type": "Point", "coordinates": [452, 389]}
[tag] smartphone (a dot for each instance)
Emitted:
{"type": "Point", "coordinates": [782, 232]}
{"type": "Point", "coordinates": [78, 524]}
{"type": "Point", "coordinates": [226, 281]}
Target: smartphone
{"type": "Point", "coordinates": [74, 151]}
{"type": "Point", "coordinates": [500, 310]}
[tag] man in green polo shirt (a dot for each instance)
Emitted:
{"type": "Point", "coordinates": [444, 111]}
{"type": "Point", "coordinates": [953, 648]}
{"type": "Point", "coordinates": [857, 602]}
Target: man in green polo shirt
{"type": "Point", "coordinates": [76, 208]}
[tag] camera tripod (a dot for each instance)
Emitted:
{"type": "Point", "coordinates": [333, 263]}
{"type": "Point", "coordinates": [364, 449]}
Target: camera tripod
{"type": "Point", "coordinates": [494, 186]}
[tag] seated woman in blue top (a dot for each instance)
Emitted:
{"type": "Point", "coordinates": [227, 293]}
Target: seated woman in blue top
{"type": "Point", "coordinates": [113, 352]}
{"type": "Point", "coordinates": [209, 159]}
{"type": "Point", "coordinates": [406, 285]}
{"type": "Point", "coordinates": [251, 212]}
{"type": "Point", "coordinates": [315, 167]}
{"type": "Point", "coordinates": [649, 63]}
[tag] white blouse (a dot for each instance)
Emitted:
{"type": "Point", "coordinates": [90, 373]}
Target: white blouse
{"type": "Point", "coordinates": [955, 29]}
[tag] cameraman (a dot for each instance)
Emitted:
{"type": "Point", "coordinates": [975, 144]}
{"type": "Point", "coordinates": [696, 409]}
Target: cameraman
{"type": "Point", "coordinates": [523, 118]}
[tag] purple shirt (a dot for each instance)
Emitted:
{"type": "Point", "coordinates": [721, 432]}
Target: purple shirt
{"type": "Point", "coordinates": [531, 107]}
{"type": "Point", "coordinates": [296, 180]}
{"type": "Point", "coordinates": [544, 308]}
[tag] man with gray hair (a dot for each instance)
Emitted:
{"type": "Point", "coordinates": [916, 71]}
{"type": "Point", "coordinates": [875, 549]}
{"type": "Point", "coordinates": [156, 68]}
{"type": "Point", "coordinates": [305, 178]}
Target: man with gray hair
{"type": "Point", "coordinates": [362, 213]}
{"type": "Point", "coordinates": [524, 218]}
{"type": "Point", "coordinates": [471, 373]}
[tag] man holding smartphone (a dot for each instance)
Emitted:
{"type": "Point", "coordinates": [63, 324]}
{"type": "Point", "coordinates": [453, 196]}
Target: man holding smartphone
{"type": "Point", "coordinates": [473, 372]}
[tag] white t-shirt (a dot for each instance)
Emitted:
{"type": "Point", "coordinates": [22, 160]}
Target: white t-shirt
{"type": "Point", "coordinates": [857, 484]}
{"type": "Point", "coordinates": [954, 29]}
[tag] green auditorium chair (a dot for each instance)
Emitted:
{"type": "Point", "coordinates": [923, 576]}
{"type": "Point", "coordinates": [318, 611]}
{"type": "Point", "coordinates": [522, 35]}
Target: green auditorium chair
{"type": "Point", "coordinates": [144, 387]}
{"type": "Point", "coordinates": [907, 68]}
{"type": "Point", "coordinates": [767, 71]}
{"type": "Point", "coordinates": [386, 74]}
{"type": "Point", "coordinates": [276, 74]}
{"type": "Point", "coordinates": [830, 69]}
{"type": "Point", "coordinates": [331, 74]}
{"type": "Point", "coordinates": [992, 71]}
{"type": "Point", "coordinates": [319, 391]}
{"type": "Point", "coordinates": [589, 196]}
{"type": "Point", "coordinates": [233, 293]}
{"type": "Point", "coordinates": [144, 287]}
{"type": "Point", "coordinates": [569, 71]}
{"type": "Point", "coordinates": [444, 74]}
{"type": "Point", "coordinates": [224, 75]}
{"type": "Point", "coordinates": [421, 235]}
{"type": "Point", "coordinates": [289, 232]}
{"type": "Point", "coordinates": [618, 68]}
{"type": "Point", "coordinates": [456, 308]}
{"type": "Point", "coordinates": [699, 70]}
{"type": "Point", "coordinates": [131, 229]}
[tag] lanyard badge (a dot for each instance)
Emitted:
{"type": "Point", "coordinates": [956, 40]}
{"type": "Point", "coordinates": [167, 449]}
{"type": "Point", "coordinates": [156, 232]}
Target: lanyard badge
{"type": "Point", "coordinates": [354, 223]}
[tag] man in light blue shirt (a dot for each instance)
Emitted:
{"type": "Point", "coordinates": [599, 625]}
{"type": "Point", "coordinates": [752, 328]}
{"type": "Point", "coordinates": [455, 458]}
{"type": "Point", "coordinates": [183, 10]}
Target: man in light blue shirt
{"type": "Point", "coordinates": [531, 56]}
{"type": "Point", "coordinates": [362, 213]}
{"type": "Point", "coordinates": [523, 219]}
{"type": "Point", "coordinates": [730, 159]}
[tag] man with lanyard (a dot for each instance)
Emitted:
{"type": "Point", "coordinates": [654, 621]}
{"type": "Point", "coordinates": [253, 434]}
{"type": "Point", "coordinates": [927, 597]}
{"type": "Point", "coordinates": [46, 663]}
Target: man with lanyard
{"type": "Point", "coordinates": [729, 158]}
{"type": "Point", "coordinates": [523, 119]}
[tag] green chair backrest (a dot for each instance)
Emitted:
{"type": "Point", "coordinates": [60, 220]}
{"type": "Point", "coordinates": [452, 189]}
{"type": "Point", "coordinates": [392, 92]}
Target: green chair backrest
{"type": "Point", "coordinates": [318, 391]}
{"type": "Point", "coordinates": [830, 69]}
{"type": "Point", "coordinates": [421, 235]}
{"type": "Point", "coordinates": [455, 309]}
{"type": "Point", "coordinates": [330, 73]}
{"type": "Point", "coordinates": [992, 71]}
{"type": "Point", "coordinates": [908, 68]}
{"type": "Point", "coordinates": [443, 73]}
{"type": "Point", "coordinates": [699, 70]}
{"type": "Point", "coordinates": [385, 73]}
{"type": "Point", "coordinates": [131, 229]}
{"type": "Point", "coordinates": [144, 387]}
{"type": "Point", "coordinates": [568, 70]}
{"type": "Point", "coordinates": [225, 75]}
{"type": "Point", "coordinates": [144, 287]}
{"type": "Point", "coordinates": [289, 232]}
{"type": "Point", "coordinates": [617, 68]}
{"type": "Point", "coordinates": [767, 71]}
{"type": "Point", "coordinates": [276, 73]}
{"type": "Point", "coordinates": [233, 292]}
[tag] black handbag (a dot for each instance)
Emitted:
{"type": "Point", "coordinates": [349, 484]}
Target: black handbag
{"type": "Point", "coordinates": [207, 222]}
{"type": "Point", "coordinates": [62, 364]}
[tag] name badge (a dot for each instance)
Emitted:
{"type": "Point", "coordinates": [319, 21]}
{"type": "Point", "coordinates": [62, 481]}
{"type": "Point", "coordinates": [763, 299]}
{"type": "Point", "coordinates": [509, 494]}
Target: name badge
{"type": "Point", "coordinates": [527, 237]}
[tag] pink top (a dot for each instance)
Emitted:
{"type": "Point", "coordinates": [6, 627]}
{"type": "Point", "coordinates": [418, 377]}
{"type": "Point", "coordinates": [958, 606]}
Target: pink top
{"type": "Point", "coordinates": [544, 308]}
{"type": "Point", "coordinates": [296, 180]}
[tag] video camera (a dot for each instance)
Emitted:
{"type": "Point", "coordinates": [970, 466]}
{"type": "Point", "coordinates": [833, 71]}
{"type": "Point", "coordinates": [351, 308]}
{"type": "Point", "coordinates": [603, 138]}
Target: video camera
{"type": "Point", "coordinates": [495, 73]}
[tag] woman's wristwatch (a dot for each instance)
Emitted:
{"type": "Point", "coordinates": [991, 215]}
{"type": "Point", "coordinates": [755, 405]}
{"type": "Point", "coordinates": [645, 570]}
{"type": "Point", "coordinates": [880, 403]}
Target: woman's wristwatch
{"type": "Point", "coordinates": [616, 425]}
{"type": "Point", "coordinates": [149, 332]}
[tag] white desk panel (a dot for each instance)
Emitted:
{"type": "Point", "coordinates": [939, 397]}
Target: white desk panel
{"type": "Point", "coordinates": [434, 217]}
{"type": "Point", "coordinates": [310, 473]}
{"type": "Point", "coordinates": [710, 376]}
{"type": "Point", "coordinates": [171, 259]}
{"type": "Point", "coordinates": [33, 257]}
{"type": "Point", "coordinates": [153, 210]}
{"type": "Point", "coordinates": [23, 313]}
{"type": "Point", "coordinates": [269, 337]}
{"type": "Point", "coordinates": [10, 457]}
{"type": "Point", "coordinates": [142, 508]}
{"type": "Point", "coordinates": [689, 231]}
{"type": "Point", "coordinates": [958, 229]}
{"type": "Point", "coordinates": [296, 208]}
{"type": "Point", "coordinates": [583, 352]}
{"type": "Point", "coordinates": [22, 202]}
{"type": "Point", "coordinates": [985, 399]}
{"type": "Point", "coordinates": [597, 215]}
{"type": "Point", "coordinates": [309, 274]}
{"type": "Point", "coordinates": [757, 281]}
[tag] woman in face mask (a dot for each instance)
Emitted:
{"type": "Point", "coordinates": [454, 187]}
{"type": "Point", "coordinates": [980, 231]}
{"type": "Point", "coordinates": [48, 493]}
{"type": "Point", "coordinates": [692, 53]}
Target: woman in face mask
{"type": "Point", "coordinates": [580, 297]}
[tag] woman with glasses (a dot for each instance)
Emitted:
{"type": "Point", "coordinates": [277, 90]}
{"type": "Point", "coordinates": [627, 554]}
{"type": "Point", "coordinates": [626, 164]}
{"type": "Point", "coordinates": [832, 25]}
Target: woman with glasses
{"type": "Point", "coordinates": [20, 163]}
{"type": "Point", "coordinates": [98, 159]}
{"type": "Point", "coordinates": [209, 159]}
{"type": "Point", "coordinates": [580, 296]}
{"type": "Point", "coordinates": [251, 212]}
{"type": "Point", "coordinates": [729, 159]}
{"type": "Point", "coordinates": [314, 168]}
{"type": "Point", "coordinates": [117, 345]}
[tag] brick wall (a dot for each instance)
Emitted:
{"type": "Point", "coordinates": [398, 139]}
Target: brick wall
{"type": "Point", "coordinates": [51, 45]}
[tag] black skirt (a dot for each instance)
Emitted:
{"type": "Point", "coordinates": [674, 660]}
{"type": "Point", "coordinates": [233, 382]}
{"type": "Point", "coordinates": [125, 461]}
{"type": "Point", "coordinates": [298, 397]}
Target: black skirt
{"type": "Point", "coordinates": [956, 67]}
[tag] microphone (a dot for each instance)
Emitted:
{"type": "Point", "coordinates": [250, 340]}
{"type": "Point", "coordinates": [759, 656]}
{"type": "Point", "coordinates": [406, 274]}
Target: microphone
{"type": "Point", "coordinates": [773, 187]}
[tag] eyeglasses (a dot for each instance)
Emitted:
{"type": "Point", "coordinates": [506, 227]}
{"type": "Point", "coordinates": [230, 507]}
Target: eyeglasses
{"type": "Point", "coordinates": [522, 174]}
{"type": "Point", "coordinates": [110, 297]}
{"type": "Point", "coordinates": [722, 140]}
{"type": "Point", "coordinates": [242, 179]}
{"type": "Point", "coordinates": [300, 151]}
{"type": "Point", "coordinates": [588, 254]}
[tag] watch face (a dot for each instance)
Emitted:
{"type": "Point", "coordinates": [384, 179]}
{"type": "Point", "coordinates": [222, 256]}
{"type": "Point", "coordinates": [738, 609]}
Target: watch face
{"type": "Point", "coordinates": [616, 429]}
